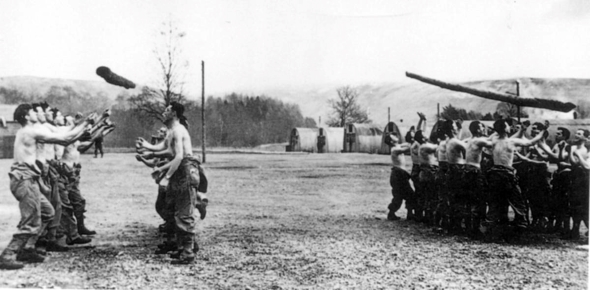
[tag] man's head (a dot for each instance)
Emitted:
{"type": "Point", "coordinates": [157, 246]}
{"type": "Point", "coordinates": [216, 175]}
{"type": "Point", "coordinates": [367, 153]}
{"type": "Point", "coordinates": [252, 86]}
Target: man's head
{"type": "Point", "coordinates": [501, 127]}
{"type": "Point", "coordinates": [477, 129]}
{"type": "Point", "coordinates": [40, 112]}
{"type": "Point", "coordinates": [581, 136]}
{"type": "Point", "coordinates": [58, 118]}
{"type": "Point", "coordinates": [162, 132]}
{"type": "Point", "coordinates": [562, 134]}
{"type": "Point", "coordinates": [536, 128]}
{"type": "Point", "coordinates": [446, 129]}
{"type": "Point", "coordinates": [391, 140]}
{"type": "Point", "coordinates": [48, 112]}
{"type": "Point", "coordinates": [175, 110]}
{"type": "Point", "coordinates": [24, 114]}
{"type": "Point", "coordinates": [69, 120]}
{"type": "Point", "coordinates": [419, 137]}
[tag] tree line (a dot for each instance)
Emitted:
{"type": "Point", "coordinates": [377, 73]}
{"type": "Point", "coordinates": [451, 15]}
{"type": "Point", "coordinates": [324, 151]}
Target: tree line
{"type": "Point", "coordinates": [234, 120]}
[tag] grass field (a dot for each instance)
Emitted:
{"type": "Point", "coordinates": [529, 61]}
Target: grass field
{"type": "Point", "coordinates": [282, 221]}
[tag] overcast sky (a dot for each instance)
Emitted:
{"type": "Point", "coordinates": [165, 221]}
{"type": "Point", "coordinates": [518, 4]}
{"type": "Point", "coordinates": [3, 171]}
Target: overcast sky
{"type": "Point", "coordinates": [255, 45]}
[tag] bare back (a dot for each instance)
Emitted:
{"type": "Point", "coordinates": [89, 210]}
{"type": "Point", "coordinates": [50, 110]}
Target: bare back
{"type": "Point", "coordinates": [503, 151]}
{"type": "Point", "coordinates": [455, 151]}
{"type": "Point", "coordinates": [414, 153]}
{"type": "Point", "coordinates": [397, 155]}
{"type": "Point", "coordinates": [473, 153]}
{"type": "Point", "coordinates": [442, 151]}
{"type": "Point", "coordinates": [427, 152]}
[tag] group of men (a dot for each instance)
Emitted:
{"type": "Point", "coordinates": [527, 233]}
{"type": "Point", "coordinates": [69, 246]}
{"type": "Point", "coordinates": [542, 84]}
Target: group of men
{"type": "Point", "coordinates": [467, 186]}
{"type": "Point", "coordinates": [181, 181]}
{"type": "Point", "coordinates": [45, 178]}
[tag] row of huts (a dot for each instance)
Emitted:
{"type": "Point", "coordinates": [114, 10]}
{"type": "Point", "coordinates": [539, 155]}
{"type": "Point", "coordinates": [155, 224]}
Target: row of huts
{"type": "Point", "coordinates": [369, 138]}
{"type": "Point", "coordinates": [362, 138]}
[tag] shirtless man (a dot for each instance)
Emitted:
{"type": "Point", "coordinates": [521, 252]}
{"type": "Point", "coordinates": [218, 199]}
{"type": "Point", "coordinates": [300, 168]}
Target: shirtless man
{"type": "Point", "coordinates": [426, 179]}
{"type": "Point", "coordinates": [537, 189]}
{"type": "Point", "coordinates": [182, 177]}
{"type": "Point", "coordinates": [164, 202]}
{"type": "Point", "coordinates": [580, 184]}
{"type": "Point", "coordinates": [399, 179]}
{"type": "Point", "coordinates": [36, 210]}
{"type": "Point", "coordinates": [72, 167]}
{"type": "Point", "coordinates": [440, 196]}
{"type": "Point", "coordinates": [418, 139]}
{"type": "Point", "coordinates": [50, 176]}
{"type": "Point", "coordinates": [474, 176]}
{"type": "Point", "coordinates": [561, 181]}
{"type": "Point", "coordinates": [68, 224]}
{"type": "Point", "coordinates": [503, 187]}
{"type": "Point", "coordinates": [458, 195]}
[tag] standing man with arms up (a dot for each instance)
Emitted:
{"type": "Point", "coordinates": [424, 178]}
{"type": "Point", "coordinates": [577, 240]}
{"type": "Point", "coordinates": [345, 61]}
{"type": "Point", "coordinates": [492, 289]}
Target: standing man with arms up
{"type": "Point", "coordinates": [399, 179]}
{"type": "Point", "coordinates": [503, 184]}
{"type": "Point", "coordinates": [182, 178]}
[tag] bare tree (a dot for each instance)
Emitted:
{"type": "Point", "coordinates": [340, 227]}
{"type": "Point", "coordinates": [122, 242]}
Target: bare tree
{"type": "Point", "coordinates": [172, 65]}
{"type": "Point", "coordinates": [346, 109]}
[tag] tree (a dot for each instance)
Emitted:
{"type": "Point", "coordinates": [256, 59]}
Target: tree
{"type": "Point", "coordinates": [508, 110]}
{"type": "Point", "coordinates": [171, 64]}
{"type": "Point", "coordinates": [346, 109]}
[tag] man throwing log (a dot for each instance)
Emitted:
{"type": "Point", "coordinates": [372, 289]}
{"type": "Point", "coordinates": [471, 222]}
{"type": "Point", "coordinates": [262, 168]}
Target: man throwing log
{"type": "Point", "coordinates": [25, 174]}
{"type": "Point", "coordinates": [503, 184]}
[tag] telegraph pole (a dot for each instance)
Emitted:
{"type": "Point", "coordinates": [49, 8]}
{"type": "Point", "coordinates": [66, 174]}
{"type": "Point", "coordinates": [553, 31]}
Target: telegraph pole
{"type": "Point", "coordinates": [203, 109]}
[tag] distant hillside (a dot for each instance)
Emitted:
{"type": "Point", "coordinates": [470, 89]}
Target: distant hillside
{"type": "Point", "coordinates": [36, 85]}
{"type": "Point", "coordinates": [403, 99]}
{"type": "Point", "coordinates": [407, 99]}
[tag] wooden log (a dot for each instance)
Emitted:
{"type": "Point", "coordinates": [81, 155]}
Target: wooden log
{"type": "Point", "coordinates": [518, 101]}
{"type": "Point", "coordinates": [113, 78]}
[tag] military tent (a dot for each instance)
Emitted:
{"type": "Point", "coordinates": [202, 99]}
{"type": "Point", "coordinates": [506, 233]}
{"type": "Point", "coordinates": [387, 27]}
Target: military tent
{"type": "Point", "coordinates": [330, 139]}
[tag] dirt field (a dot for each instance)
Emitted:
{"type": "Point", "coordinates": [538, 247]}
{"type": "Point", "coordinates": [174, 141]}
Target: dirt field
{"type": "Point", "coordinates": [280, 221]}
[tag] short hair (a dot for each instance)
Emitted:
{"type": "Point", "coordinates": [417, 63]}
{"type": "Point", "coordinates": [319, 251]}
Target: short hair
{"type": "Point", "coordinates": [419, 137]}
{"type": "Point", "coordinates": [36, 105]}
{"type": "Point", "coordinates": [445, 128]}
{"type": "Point", "coordinates": [55, 111]}
{"type": "Point", "coordinates": [585, 132]}
{"type": "Point", "coordinates": [500, 126]}
{"type": "Point", "coordinates": [565, 132]}
{"type": "Point", "coordinates": [474, 126]}
{"type": "Point", "coordinates": [44, 105]}
{"type": "Point", "coordinates": [540, 126]}
{"type": "Point", "coordinates": [21, 112]}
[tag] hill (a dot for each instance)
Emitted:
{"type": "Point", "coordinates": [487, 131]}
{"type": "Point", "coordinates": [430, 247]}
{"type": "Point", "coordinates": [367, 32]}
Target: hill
{"type": "Point", "coordinates": [39, 86]}
{"type": "Point", "coordinates": [403, 99]}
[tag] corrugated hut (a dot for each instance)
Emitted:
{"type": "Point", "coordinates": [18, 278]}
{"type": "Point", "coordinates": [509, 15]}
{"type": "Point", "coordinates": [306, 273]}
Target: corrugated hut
{"type": "Point", "coordinates": [364, 138]}
{"type": "Point", "coordinates": [303, 140]}
{"type": "Point", "coordinates": [390, 129]}
{"type": "Point", "coordinates": [330, 139]}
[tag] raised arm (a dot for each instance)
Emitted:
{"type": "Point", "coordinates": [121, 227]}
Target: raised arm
{"type": "Point", "coordinates": [527, 142]}
{"type": "Point", "coordinates": [62, 138]}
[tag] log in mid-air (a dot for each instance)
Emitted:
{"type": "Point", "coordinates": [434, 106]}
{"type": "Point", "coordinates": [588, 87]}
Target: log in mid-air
{"type": "Point", "coordinates": [518, 101]}
{"type": "Point", "coordinates": [114, 79]}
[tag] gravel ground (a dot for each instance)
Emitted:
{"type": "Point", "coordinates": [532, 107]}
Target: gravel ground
{"type": "Point", "coordinates": [282, 221]}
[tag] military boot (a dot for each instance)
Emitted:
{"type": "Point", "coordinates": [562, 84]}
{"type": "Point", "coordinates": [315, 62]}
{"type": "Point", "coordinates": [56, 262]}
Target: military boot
{"type": "Point", "coordinates": [82, 228]}
{"type": "Point", "coordinates": [8, 257]}
{"type": "Point", "coordinates": [187, 256]}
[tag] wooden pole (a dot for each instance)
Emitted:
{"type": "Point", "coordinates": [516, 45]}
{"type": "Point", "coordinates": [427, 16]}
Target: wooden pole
{"type": "Point", "coordinates": [523, 102]}
{"type": "Point", "coordinates": [517, 106]}
{"type": "Point", "coordinates": [388, 115]}
{"type": "Point", "coordinates": [203, 109]}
